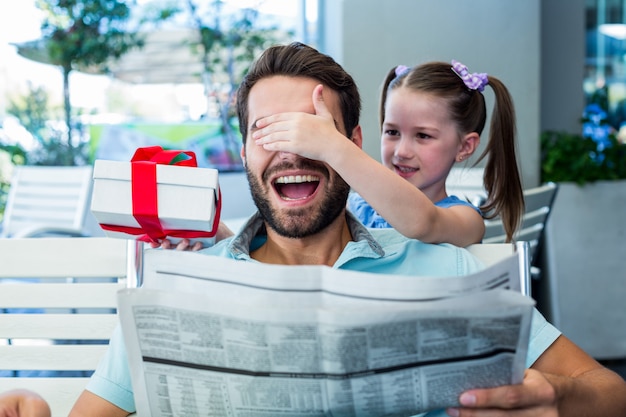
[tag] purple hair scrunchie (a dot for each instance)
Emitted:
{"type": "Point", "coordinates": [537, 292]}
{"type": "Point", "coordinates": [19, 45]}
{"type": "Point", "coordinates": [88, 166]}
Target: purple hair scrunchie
{"type": "Point", "coordinates": [401, 70]}
{"type": "Point", "coordinates": [473, 81]}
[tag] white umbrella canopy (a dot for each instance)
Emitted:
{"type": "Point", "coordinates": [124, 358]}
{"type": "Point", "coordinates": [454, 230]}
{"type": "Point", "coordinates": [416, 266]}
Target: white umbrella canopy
{"type": "Point", "coordinates": [169, 56]}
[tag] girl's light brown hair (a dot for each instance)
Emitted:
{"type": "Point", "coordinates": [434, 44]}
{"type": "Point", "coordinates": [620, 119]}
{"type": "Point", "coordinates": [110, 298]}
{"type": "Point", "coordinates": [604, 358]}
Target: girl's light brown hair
{"type": "Point", "coordinates": [467, 108]}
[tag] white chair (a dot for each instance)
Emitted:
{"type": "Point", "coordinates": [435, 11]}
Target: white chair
{"type": "Point", "coordinates": [467, 184]}
{"type": "Point", "coordinates": [538, 202]}
{"type": "Point", "coordinates": [48, 200]}
{"type": "Point", "coordinates": [491, 253]}
{"type": "Point", "coordinates": [73, 301]}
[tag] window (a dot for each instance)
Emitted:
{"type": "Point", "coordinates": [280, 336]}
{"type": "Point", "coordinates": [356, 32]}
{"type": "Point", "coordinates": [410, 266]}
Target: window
{"type": "Point", "coordinates": [605, 68]}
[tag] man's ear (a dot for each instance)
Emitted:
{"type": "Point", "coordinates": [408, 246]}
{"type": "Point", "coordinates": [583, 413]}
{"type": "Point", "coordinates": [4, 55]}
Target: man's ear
{"type": "Point", "coordinates": [242, 153]}
{"type": "Point", "coordinates": [357, 136]}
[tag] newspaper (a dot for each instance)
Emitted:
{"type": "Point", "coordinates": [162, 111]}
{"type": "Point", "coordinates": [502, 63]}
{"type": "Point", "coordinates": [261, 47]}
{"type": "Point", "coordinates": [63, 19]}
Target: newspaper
{"type": "Point", "coordinates": [216, 337]}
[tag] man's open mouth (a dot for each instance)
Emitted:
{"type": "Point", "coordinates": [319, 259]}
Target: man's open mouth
{"type": "Point", "coordinates": [296, 187]}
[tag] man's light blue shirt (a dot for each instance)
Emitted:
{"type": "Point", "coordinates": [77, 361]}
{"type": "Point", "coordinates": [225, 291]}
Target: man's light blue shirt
{"type": "Point", "coordinates": [372, 250]}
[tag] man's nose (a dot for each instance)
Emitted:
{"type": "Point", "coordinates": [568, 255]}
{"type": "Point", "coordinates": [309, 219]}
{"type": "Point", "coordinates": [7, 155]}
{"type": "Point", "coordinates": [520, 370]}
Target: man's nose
{"type": "Point", "coordinates": [287, 156]}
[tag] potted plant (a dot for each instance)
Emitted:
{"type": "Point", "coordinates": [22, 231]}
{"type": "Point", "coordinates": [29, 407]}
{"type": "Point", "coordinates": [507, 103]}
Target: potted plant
{"type": "Point", "coordinates": [586, 238]}
{"type": "Point", "coordinates": [569, 157]}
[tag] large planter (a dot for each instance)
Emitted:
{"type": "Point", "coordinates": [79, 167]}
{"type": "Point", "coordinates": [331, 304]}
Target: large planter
{"type": "Point", "coordinates": [585, 266]}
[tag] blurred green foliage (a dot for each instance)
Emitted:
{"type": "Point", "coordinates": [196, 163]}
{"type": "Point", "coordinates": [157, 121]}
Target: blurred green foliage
{"type": "Point", "coordinates": [568, 157]}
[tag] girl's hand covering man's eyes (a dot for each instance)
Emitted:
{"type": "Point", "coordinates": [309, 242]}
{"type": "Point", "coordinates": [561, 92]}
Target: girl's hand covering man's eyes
{"type": "Point", "coordinates": [311, 136]}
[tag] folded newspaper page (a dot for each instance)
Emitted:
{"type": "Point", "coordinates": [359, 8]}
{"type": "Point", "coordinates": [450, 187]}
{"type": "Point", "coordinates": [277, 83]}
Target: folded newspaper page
{"type": "Point", "coordinates": [216, 337]}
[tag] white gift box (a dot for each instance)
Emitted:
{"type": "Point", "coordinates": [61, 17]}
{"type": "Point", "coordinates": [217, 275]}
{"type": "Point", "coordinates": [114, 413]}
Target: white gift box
{"type": "Point", "coordinates": [187, 199]}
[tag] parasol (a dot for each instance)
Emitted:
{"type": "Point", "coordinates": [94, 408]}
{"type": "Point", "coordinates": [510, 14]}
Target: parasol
{"type": "Point", "coordinates": [168, 57]}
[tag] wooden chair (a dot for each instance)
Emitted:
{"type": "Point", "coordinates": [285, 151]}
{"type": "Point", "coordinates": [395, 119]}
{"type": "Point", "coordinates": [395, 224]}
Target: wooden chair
{"type": "Point", "coordinates": [69, 314]}
{"type": "Point", "coordinates": [48, 200]}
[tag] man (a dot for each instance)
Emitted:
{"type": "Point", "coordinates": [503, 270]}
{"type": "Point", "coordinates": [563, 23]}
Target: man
{"type": "Point", "coordinates": [302, 220]}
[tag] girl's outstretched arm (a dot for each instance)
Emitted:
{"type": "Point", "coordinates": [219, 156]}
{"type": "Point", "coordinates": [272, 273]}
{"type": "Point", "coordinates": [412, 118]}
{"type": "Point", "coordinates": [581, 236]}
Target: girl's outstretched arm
{"type": "Point", "coordinates": [405, 207]}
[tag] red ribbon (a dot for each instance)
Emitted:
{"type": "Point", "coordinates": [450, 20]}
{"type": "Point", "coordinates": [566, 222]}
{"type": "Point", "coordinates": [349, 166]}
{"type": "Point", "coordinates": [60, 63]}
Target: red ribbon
{"type": "Point", "coordinates": [145, 201]}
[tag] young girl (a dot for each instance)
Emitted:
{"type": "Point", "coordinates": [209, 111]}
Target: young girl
{"type": "Point", "coordinates": [432, 117]}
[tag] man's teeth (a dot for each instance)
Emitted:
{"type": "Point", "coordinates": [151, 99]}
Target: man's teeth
{"type": "Point", "coordinates": [296, 179]}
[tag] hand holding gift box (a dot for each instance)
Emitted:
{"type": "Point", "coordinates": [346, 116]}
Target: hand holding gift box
{"type": "Point", "coordinates": [158, 194]}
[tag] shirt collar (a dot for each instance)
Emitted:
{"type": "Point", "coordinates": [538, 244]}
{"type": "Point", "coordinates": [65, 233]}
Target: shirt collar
{"type": "Point", "coordinates": [253, 235]}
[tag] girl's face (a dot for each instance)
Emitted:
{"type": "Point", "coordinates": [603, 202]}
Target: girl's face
{"type": "Point", "coordinates": [419, 140]}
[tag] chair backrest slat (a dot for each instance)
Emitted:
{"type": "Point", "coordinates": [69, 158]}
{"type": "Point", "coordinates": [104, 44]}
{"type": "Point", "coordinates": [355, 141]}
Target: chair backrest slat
{"type": "Point", "coordinates": [55, 326]}
{"type": "Point", "coordinates": [58, 309]}
{"type": "Point", "coordinates": [45, 295]}
{"type": "Point", "coordinates": [42, 258]}
{"type": "Point", "coordinates": [538, 202]}
{"type": "Point", "coordinates": [45, 357]}
{"type": "Point", "coordinates": [541, 196]}
{"type": "Point", "coordinates": [47, 199]}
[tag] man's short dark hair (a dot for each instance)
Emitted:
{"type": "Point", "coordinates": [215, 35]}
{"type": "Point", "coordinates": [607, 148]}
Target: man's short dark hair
{"type": "Point", "coordinates": [300, 60]}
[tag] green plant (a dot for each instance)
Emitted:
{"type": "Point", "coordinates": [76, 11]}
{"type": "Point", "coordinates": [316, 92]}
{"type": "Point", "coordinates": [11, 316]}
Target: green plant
{"type": "Point", "coordinates": [568, 157]}
{"type": "Point", "coordinates": [39, 119]}
{"type": "Point", "coordinates": [85, 33]}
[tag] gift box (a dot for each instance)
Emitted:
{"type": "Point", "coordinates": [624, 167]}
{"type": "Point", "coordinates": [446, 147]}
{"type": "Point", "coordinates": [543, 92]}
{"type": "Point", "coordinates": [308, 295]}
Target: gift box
{"type": "Point", "coordinates": [150, 201]}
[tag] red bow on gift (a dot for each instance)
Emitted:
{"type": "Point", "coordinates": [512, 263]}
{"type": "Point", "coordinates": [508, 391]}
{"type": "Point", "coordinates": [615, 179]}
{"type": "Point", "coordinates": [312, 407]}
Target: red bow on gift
{"type": "Point", "coordinates": [145, 199]}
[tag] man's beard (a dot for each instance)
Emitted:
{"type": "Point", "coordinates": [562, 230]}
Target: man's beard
{"type": "Point", "coordinates": [299, 223]}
